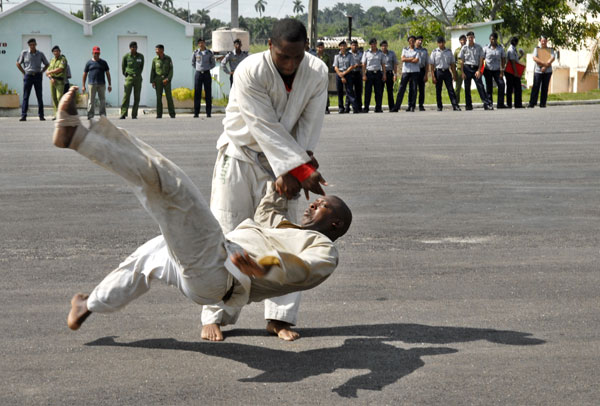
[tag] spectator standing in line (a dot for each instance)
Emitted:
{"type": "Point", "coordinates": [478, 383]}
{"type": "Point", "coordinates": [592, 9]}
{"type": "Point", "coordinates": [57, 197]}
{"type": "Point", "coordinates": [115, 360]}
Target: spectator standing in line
{"type": "Point", "coordinates": [373, 71]}
{"type": "Point", "coordinates": [233, 59]}
{"type": "Point", "coordinates": [513, 81]}
{"type": "Point", "coordinates": [161, 75]}
{"type": "Point", "coordinates": [495, 61]}
{"type": "Point", "coordinates": [203, 60]}
{"type": "Point", "coordinates": [410, 75]}
{"type": "Point", "coordinates": [391, 72]}
{"type": "Point", "coordinates": [356, 74]}
{"type": "Point", "coordinates": [30, 64]}
{"type": "Point", "coordinates": [542, 72]}
{"type": "Point", "coordinates": [423, 68]}
{"type": "Point", "coordinates": [443, 70]}
{"type": "Point", "coordinates": [471, 59]}
{"type": "Point", "coordinates": [94, 72]}
{"type": "Point", "coordinates": [57, 73]}
{"type": "Point", "coordinates": [327, 61]}
{"type": "Point", "coordinates": [132, 66]}
{"type": "Point", "coordinates": [342, 64]}
{"type": "Point", "coordinates": [459, 72]}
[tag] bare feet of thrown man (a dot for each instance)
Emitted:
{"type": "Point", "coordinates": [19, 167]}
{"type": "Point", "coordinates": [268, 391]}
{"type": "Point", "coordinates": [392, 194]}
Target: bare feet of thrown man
{"type": "Point", "coordinates": [79, 311]}
{"type": "Point", "coordinates": [211, 332]}
{"type": "Point", "coordinates": [64, 135]}
{"type": "Point", "coordinates": [282, 329]}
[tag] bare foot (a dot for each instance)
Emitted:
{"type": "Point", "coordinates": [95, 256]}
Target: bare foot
{"type": "Point", "coordinates": [283, 330]}
{"type": "Point", "coordinates": [79, 311]}
{"type": "Point", "coordinates": [211, 332]}
{"type": "Point", "coordinates": [63, 135]}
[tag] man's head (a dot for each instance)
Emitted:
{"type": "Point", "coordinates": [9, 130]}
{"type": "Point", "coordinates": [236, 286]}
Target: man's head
{"type": "Point", "coordinates": [462, 39]}
{"type": "Point", "coordinates": [160, 50]}
{"type": "Point", "coordinates": [373, 44]}
{"type": "Point", "coordinates": [419, 41]}
{"type": "Point", "coordinates": [96, 52]}
{"type": "Point", "coordinates": [56, 51]}
{"type": "Point", "coordinates": [514, 41]}
{"type": "Point", "coordinates": [411, 40]}
{"type": "Point", "coordinates": [471, 38]}
{"type": "Point", "coordinates": [32, 44]}
{"type": "Point", "coordinates": [441, 41]}
{"type": "Point", "coordinates": [320, 47]}
{"type": "Point", "coordinates": [287, 44]}
{"type": "Point", "coordinates": [494, 38]}
{"type": "Point", "coordinates": [133, 47]}
{"type": "Point", "coordinates": [543, 41]}
{"type": "Point", "coordinates": [237, 44]}
{"type": "Point", "coordinates": [201, 44]}
{"type": "Point", "coordinates": [343, 46]}
{"type": "Point", "coordinates": [354, 45]}
{"type": "Point", "coordinates": [384, 46]}
{"type": "Point", "coordinates": [328, 215]}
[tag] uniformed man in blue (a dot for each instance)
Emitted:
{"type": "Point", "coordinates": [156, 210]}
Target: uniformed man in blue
{"type": "Point", "coordinates": [542, 72]}
{"type": "Point", "coordinates": [342, 65]}
{"type": "Point", "coordinates": [410, 74]}
{"type": "Point", "coordinates": [30, 64]}
{"type": "Point", "coordinates": [373, 71]}
{"type": "Point", "coordinates": [513, 81]}
{"type": "Point", "coordinates": [423, 68]}
{"type": "Point", "coordinates": [203, 60]}
{"type": "Point", "coordinates": [356, 76]}
{"type": "Point", "coordinates": [391, 72]}
{"type": "Point", "coordinates": [233, 59]}
{"type": "Point", "coordinates": [495, 61]}
{"type": "Point", "coordinates": [443, 71]}
{"type": "Point", "coordinates": [132, 66]}
{"type": "Point", "coordinates": [471, 60]}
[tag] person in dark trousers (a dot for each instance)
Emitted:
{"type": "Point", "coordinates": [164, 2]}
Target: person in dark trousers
{"type": "Point", "coordinates": [30, 64]}
{"type": "Point", "coordinates": [495, 61]}
{"type": "Point", "coordinates": [391, 72]}
{"type": "Point", "coordinates": [342, 64]}
{"type": "Point", "coordinates": [410, 74]}
{"type": "Point", "coordinates": [233, 59]}
{"type": "Point", "coordinates": [203, 60]}
{"type": "Point", "coordinates": [423, 66]}
{"type": "Point", "coordinates": [543, 58]}
{"type": "Point", "coordinates": [471, 60]}
{"type": "Point", "coordinates": [373, 64]}
{"type": "Point", "coordinates": [356, 76]}
{"type": "Point", "coordinates": [513, 81]}
{"type": "Point", "coordinates": [443, 71]}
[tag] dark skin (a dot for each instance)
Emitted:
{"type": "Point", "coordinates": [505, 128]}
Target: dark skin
{"type": "Point", "coordinates": [287, 57]}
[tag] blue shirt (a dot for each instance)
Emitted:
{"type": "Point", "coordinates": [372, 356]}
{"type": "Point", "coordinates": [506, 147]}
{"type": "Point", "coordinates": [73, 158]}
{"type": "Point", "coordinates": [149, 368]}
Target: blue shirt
{"type": "Point", "coordinates": [203, 60]}
{"type": "Point", "coordinates": [373, 60]}
{"type": "Point", "coordinates": [342, 62]}
{"type": "Point", "coordinates": [96, 71]}
{"type": "Point", "coordinates": [409, 67]}
{"type": "Point", "coordinates": [390, 60]}
{"type": "Point", "coordinates": [32, 63]}
{"type": "Point", "coordinates": [356, 59]}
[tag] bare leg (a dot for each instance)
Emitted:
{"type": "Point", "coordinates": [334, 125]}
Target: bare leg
{"type": "Point", "coordinates": [79, 311]}
{"type": "Point", "coordinates": [212, 332]}
{"type": "Point", "coordinates": [282, 329]}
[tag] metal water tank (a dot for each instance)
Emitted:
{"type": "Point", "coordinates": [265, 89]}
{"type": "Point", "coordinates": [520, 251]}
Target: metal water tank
{"type": "Point", "coordinates": [222, 39]}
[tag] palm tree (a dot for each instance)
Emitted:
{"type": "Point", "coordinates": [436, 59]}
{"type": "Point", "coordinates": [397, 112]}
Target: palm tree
{"type": "Point", "coordinates": [167, 5]}
{"type": "Point", "coordinates": [97, 9]}
{"type": "Point", "coordinates": [260, 6]}
{"type": "Point", "coordinates": [298, 7]}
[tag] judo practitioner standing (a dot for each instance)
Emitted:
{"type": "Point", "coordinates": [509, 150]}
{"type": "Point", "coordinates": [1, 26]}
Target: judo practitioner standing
{"type": "Point", "coordinates": [272, 122]}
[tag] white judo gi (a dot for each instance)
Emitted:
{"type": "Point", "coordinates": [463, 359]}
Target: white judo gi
{"type": "Point", "coordinates": [192, 253]}
{"type": "Point", "coordinates": [267, 131]}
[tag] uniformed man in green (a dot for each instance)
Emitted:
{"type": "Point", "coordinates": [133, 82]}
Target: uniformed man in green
{"type": "Point", "coordinates": [325, 58]}
{"type": "Point", "coordinates": [459, 72]}
{"type": "Point", "coordinates": [132, 67]}
{"type": "Point", "coordinates": [57, 73]}
{"type": "Point", "coordinates": [160, 77]}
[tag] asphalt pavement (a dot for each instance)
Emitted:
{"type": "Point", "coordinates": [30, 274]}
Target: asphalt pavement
{"type": "Point", "coordinates": [469, 276]}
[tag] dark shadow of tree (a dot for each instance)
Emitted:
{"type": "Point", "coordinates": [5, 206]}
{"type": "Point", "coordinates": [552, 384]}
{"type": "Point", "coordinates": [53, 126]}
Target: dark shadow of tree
{"type": "Point", "coordinates": [385, 362]}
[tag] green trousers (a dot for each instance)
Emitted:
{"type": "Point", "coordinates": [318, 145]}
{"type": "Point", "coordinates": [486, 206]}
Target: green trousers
{"type": "Point", "coordinates": [160, 87]}
{"type": "Point", "coordinates": [57, 89]}
{"type": "Point", "coordinates": [134, 83]}
{"type": "Point", "coordinates": [459, 83]}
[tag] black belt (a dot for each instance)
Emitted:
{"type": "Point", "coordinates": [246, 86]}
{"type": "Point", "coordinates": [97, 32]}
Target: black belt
{"type": "Point", "coordinates": [228, 294]}
{"type": "Point", "coordinates": [203, 71]}
{"type": "Point", "coordinates": [33, 73]}
{"type": "Point", "coordinates": [473, 66]}
{"type": "Point", "coordinates": [442, 70]}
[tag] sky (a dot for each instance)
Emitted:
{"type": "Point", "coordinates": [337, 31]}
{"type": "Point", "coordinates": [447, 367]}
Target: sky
{"type": "Point", "coordinates": [221, 8]}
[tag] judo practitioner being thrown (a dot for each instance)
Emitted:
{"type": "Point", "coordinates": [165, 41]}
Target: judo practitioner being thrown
{"type": "Point", "coordinates": [272, 123]}
{"type": "Point", "coordinates": [259, 259]}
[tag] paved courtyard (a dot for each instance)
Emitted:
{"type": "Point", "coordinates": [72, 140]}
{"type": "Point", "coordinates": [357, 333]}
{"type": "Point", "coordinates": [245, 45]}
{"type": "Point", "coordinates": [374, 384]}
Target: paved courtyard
{"type": "Point", "coordinates": [469, 276]}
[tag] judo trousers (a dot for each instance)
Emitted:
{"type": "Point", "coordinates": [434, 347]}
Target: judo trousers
{"type": "Point", "coordinates": [190, 254]}
{"type": "Point", "coordinates": [237, 189]}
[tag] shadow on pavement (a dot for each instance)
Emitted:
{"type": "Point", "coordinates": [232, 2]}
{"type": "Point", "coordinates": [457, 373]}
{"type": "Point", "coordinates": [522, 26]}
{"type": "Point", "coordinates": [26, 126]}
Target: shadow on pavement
{"type": "Point", "coordinates": [386, 362]}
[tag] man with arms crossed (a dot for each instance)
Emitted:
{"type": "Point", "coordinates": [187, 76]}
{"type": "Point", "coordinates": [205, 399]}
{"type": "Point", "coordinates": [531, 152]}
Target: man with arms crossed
{"type": "Point", "coordinates": [272, 122]}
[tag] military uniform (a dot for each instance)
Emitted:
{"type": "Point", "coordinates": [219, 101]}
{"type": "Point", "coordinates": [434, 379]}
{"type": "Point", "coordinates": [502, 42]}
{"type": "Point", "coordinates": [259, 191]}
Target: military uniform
{"type": "Point", "coordinates": [203, 62]}
{"type": "Point", "coordinates": [423, 62]}
{"type": "Point", "coordinates": [374, 64]}
{"type": "Point", "coordinates": [233, 60]}
{"type": "Point", "coordinates": [132, 67]}
{"type": "Point", "coordinates": [391, 63]}
{"type": "Point", "coordinates": [494, 71]}
{"type": "Point", "coordinates": [471, 56]}
{"type": "Point", "coordinates": [513, 82]}
{"type": "Point", "coordinates": [357, 83]}
{"type": "Point", "coordinates": [342, 63]}
{"type": "Point", "coordinates": [57, 82]}
{"type": "Point", "coordinates": [441, 62]}
{"type": "Point", "coordinates": [162, 69]}
{"type": "Point", "coordinates": [459, 72]}
{"type": "Point", "coordinates": [410, 76]}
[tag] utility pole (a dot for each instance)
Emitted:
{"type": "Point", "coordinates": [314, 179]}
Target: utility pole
{"type": "Point", "coordinates": [234, 14]}
{"type": "Point", "coordinates": [313, 11]}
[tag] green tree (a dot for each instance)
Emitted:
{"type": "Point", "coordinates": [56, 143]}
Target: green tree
{"type": "Point", "coordinates": [260, 7]}
{"type": "Point", "coordinates": [298, 7]}
{"type": "Point", "coordinates": [168, 5]}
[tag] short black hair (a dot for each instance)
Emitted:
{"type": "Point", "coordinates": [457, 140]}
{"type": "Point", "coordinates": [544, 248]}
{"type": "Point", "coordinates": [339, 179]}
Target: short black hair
{"type": "Point", "coordinates": [470, 33]}
{"type": "Point", "coordinates": [55, 48]}
{"type": "Point", "coordinates": [320, 44]}
{"type": "Point", "coordinates": [384, 42]}
{"type": "Point", "coordinates": [343, 42]}
{"type": "Point", "coordinates": [462, 37]}
{"type": "Point", "coordinates": [132, 44]}
{"type": "Point", "coordinates": [411, 36]}
{"type": "Point", "coordinates": [419, 37]}
{"type": "Point", "coordinates": [160, 46]}
{"type": "Point", "coordinates": [237, 41]}
{"type": "Point", "coordinates": [514, 41]}
{"type": "Point", "coordinates": [441, 39]}
{"type": "Point", "coordinates": [373, 41]}
{"type": "Point", "coordinates": [200, 40]}
{"type": "Point", "coordinates": [494, 35]}
{"type": "Point", "coordinates": [30, 40]}
{"type": "Point", "coordinates": [288, 29]}
{"type": "Point", "coordinates": [544, 36]}
{"type": "Point", "coordinates": [354, 42]}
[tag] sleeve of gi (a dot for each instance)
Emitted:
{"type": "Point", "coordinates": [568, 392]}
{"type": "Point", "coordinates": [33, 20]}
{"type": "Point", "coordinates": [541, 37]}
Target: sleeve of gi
{"type": "Point", "coordinates": [272, 208]}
